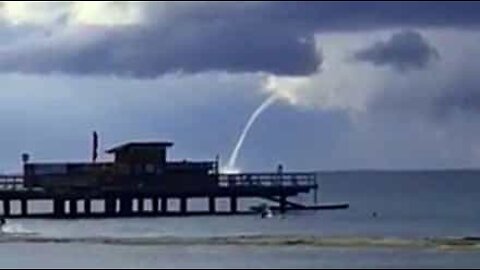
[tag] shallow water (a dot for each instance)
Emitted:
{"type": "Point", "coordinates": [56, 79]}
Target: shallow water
{"type": "Point", "coordinates": [101, 256]}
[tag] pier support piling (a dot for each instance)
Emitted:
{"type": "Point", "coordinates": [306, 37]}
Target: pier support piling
{"type": "Point", "coordinates": [59, 207]}
{"type": "Point", "coordinates": [283, 204]}
{"type": "Point", "coordinates": [110, 206]}
{"type": "Point", "coordinates": [233, 204]}
{"type": "Point", "coordinates": [73, 207]}
{"type": "Point", "coordinates": [211, 205]}
{"type": "Point", "coordinates": [23, 207]}
{"type": "Point", "coordinates": [183, 205]}
{"type": "Point", "coordinates": [6, 208]}
{"type": "Point", "coordinates": [155, 205]}
{"type": "Point", "coordinates": [141, 205]}
{"type": "Point", "coordinates": [87, 206]}
{"type": "Point", "coordinates": [164, 205]}
{"type": "Point", "coordinates": [126, 205]}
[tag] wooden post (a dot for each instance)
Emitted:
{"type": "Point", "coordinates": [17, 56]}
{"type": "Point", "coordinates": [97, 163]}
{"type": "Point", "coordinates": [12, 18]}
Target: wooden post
{"type": "Point", "coordinates": [126, 205]}
{"type": "Point", "coordinates": [211, 205]}
{"type": "Point", "coordinates": [141, 205]}
{"type": "Point", "coordinates": [183, 205]}
{"type": "Point", "coordinates": [283, 204]}
{"type": "Point", "coordinates": [164, 205]}
{"type": "Point", "coordinates": [73, 207]}
{"type": "Point", "coordinates": [110, 206]}
{"type": "Point", "coordinates": [24, 207]}
{"type": "Point", "coordinates": [6, 208]}
{"type": "Point", "coordinates": [155, 204]}
{"type": "Point", "coordinates": [87, 206]}
{"type": "Point", "coordinates": [233, 204]}
{"type": "Point", "coordinates": [59, 207]}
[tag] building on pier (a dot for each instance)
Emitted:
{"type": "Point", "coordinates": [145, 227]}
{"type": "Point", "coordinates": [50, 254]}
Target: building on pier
{"type": "Point", "coordinates": [136, 165]}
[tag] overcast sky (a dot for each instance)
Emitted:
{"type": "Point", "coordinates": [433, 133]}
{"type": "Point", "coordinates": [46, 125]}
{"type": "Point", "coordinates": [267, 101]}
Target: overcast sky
{"type": "Point", "coordinates": [360, 84]}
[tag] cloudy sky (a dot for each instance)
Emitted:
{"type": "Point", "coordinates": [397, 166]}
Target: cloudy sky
{"type": "Point", "coordinates": [357, 84]}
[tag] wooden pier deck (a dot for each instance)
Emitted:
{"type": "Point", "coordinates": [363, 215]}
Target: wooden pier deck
{"type": "Point", "coordinates": [119, 203]}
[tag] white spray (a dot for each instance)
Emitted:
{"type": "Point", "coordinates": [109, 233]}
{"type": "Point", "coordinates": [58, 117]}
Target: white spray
{"type": "Point", "coordinates": [233, 157]}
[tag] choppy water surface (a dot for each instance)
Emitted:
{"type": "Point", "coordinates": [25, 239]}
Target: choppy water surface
{"type": "Point", "coordinates": [422, 218]}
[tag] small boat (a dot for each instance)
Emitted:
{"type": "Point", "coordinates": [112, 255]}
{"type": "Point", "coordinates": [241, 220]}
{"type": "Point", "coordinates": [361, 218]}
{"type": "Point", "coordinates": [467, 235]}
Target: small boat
{"type": "Point", "coordinates": [263, 209]}
{"type": "Point", "coordinates": [267, 213]}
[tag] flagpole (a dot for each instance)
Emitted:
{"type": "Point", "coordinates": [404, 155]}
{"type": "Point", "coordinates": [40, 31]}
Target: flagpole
{"type": "Point", "coordinates": [95, 147]}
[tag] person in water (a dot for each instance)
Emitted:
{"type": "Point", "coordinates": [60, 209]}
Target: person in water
{"type": "Point", "coordinates": [266, 212]}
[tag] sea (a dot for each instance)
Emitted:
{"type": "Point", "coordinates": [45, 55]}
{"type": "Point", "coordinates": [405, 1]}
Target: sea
{"type": "Point", "coordinates": [396, 219]}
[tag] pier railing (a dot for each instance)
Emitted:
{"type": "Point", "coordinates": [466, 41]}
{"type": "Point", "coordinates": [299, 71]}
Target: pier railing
{"type": "Point", "coordinates": [268, 179]}
{"type": "Point", "coordinates": [15, 181]}
{"type": "Point", "coordinates": [11, 181]}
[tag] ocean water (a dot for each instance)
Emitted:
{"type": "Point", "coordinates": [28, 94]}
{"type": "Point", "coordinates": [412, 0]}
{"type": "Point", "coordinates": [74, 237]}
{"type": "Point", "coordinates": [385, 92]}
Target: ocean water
{"type": "Point", "coordinates": [410, 207]}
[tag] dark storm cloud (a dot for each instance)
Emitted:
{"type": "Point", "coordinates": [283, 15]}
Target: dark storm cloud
{"type": "Point", "coordinates": [146, 51]}
{"type": "Point", "coordinates": [403, 51]}
{"type": "Point", "coordinates": [274, 37]}
{"type": "Point", "coordinates": [465, 101]}
{"type": "Point", "coordinates": [461, 96]}
{"type": "Point", "coordinates": [447, 93]}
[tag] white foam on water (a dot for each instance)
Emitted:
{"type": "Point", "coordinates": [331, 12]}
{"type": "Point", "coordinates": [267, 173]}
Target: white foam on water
{"type": "Point", "coordinates": [15, 229]}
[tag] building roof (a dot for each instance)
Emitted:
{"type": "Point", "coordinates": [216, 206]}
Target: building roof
{"type": "Point", "coordinates": [123, 147]}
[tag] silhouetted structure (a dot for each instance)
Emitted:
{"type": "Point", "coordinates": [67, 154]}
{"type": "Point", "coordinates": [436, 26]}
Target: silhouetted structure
{"type": "Point", "coordinates": [141, 173]}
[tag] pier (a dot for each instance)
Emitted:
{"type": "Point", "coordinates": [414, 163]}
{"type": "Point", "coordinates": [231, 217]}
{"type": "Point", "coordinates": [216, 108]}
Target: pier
{"type": "Point", "coordinates": [233, 187]}
{"type": "Point", "coordinates": [141, 183]}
